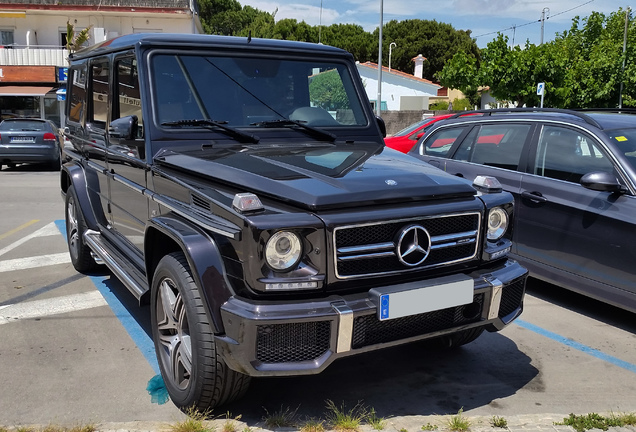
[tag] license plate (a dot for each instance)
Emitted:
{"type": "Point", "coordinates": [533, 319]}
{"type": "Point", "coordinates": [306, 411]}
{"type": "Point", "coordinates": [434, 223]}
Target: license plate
{"type": "Point", "coordinates": [421, 297]}
{"type": "Point", "coordinates": [22, 139]}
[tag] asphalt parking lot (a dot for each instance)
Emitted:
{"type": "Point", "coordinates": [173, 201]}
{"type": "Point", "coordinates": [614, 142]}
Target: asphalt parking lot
{"type": "Point", "coordinates": [76, 348]}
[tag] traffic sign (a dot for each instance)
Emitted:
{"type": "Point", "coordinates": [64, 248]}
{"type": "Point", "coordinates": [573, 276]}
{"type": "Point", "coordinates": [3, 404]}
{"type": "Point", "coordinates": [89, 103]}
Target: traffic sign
{"type": "Point", "coordinates": [540, 89]}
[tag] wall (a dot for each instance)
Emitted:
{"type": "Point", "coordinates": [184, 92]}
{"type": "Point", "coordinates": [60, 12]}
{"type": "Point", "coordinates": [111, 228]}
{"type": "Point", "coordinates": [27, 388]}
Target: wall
{"type": "Point", "coordinates": [397, 120]}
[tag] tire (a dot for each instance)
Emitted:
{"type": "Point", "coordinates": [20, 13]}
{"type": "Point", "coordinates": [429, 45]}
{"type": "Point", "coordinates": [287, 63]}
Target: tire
{"type": "Point", "coordinates": [193, 372]}
{"type": "Point", "coordinates": [81, 257]}
{"type": "Point", "coordinates": [459, 338]}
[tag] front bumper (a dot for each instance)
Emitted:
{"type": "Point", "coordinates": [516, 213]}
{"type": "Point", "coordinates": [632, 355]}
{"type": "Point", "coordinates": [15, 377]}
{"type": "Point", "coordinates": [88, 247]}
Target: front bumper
{"type": "Point", "coordinates": [301, 338]}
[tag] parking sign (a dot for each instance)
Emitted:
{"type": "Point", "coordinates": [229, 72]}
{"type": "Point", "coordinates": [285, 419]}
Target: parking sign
{"type": "Point", "coordinates": [540, 89]}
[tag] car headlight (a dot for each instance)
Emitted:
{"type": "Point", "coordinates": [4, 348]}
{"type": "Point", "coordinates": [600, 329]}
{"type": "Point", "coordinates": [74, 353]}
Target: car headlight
{"type": "Point", "coordinates": [497, 223]}
{"type": "Point", "coordinates": [283, 250]}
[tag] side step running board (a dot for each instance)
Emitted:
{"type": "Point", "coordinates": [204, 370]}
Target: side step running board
{"type": "Point", "coordinates": [132, 278]}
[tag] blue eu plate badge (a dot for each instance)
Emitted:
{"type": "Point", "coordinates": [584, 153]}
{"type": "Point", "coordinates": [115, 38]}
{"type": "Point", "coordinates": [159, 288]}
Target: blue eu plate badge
{"type": "Point", "coordinates": [384, 306]}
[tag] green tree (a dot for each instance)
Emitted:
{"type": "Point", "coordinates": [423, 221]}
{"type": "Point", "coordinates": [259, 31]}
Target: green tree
{"type": "Point", "coordinates": [74, 41]}
{"type": "Point", "coordinates": [327, 92]}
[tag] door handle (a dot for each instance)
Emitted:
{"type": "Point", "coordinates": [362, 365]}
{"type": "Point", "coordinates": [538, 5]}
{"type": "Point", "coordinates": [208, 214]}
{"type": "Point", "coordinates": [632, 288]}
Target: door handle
{"type": "Point", "coordinates": [534, 196]}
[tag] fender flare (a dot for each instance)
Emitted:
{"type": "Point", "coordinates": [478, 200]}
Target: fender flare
{"type": "Point", "coordinates": [204, 258]}
{"type": "Point", "coordinates": [74, 175]}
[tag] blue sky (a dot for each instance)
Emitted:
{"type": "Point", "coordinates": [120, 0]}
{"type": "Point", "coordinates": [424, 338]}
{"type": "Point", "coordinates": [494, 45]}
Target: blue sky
{"type": "Point", "coordinates": [483, 17]}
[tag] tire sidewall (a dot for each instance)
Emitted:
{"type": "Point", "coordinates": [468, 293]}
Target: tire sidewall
{"type": "Point", "coordinates": [167, 268]}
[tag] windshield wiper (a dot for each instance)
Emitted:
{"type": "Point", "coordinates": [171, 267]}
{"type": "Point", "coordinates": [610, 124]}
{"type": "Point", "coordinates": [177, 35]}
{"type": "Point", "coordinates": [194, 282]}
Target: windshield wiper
{"type": "Point", "coordinates": [318, 133]}
{"type": "Point", "coordinates": [214, 124]}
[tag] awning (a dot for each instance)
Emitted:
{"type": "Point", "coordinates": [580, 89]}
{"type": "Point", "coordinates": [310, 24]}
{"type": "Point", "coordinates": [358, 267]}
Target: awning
{"type": "Point", "coordinates": [24, 90]}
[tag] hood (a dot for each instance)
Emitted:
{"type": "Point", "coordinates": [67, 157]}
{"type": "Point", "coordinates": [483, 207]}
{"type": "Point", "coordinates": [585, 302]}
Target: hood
{"type": "Point", "coordinates": [320, 177]}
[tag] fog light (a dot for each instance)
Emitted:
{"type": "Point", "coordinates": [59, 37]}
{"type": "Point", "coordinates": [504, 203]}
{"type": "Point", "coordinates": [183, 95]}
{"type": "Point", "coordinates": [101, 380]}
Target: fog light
{"type": "Point", "coordinates": [285, 286]}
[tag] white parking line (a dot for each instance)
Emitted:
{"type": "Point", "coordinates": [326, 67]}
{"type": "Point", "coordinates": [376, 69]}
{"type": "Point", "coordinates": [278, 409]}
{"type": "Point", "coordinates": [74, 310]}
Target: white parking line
{"type": "Point", "coordinates": [52, 306]}
{"type": "Point", "coordinates": [47, 230]}
{"type": "Point", "coordinates": [32, 262]}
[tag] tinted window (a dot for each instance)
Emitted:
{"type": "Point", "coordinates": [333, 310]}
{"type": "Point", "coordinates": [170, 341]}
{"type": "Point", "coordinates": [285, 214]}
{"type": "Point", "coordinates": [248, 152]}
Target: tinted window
{"type": "Point", "coordinates": [77, 95]}
{"type": "Point", "coordinates": [23, 125]}
{"type": "Point", "coordinates": [497, 145]}
{"type": "Point", "coordinates": [565, 154]}
{"type": "Point", "coordinates": [625, 140]}
{"type": "Point", "coordinates": [129, 100]}
{"type": "Point", "coordinates": [99, 85]}
{"type": "Point", "coordinates": [440, 142]}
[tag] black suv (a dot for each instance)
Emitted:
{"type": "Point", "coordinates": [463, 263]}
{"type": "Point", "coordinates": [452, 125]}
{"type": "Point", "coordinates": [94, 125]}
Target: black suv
{"type": "Point", "coordinates": [242, 187]}
{"type": "Point", "coordinates": [573, 175]}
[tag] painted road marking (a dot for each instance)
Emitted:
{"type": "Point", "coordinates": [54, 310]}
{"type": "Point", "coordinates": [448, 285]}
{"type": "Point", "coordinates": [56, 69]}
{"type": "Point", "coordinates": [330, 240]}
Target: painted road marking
{"type": "Point", "coordinates": [46, 230]}
{"type": "Point", "coordinates": [21, 227]}
{"type": "Point", "coordinates": [583, 348]}
{"type": "Point", "coordinates": [34, 262]}
{"type": "Point", "coordinates": [50, 306]}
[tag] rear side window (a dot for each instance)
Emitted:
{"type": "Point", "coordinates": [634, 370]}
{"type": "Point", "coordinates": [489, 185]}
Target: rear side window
{"type": "Point", "coordinates": [441, 141]}
{"type": "Point", "coordinates": [496, 145]}
{"type": "Point", "coordinates": [77, 94]}
{"type": "Point", "coordinates": [99, 84]}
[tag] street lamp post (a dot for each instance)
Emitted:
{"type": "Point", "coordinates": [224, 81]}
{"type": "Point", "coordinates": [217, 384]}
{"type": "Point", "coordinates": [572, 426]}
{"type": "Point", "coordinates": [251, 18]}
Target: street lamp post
{"type": "Point", "coordinates": [391, 45]}
{"type": "Point", "coordinates": [378, 101]}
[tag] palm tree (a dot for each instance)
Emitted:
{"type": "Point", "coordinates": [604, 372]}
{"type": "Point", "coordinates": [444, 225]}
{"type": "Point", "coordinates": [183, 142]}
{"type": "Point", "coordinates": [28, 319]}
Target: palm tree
{"type": "Point", "coordinates": [74, 41]}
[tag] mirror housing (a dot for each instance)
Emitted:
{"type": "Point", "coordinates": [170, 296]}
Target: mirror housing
{"type": "Point", "coordinates": [381, 125]}
{"type": "Point", "coordinates": [124, 128]}
{"type": "Point", "coordinates": [602, 182]}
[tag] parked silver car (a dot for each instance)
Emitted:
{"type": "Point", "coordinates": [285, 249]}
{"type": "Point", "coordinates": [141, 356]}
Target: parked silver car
{"type": "Point", "coordinates": [29, 140]}
{"type": "Point", "coordinates": [573, 176]}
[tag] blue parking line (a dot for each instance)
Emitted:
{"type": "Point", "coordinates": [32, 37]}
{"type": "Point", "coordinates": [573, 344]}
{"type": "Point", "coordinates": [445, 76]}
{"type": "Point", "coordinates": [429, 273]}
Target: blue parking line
{"type": "Point", "coordinates": [132, 327]}
{"type": "Point", "coordinates": [578, 346]}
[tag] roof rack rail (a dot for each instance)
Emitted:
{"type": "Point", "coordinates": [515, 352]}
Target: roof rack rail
{"type": "Point", "coordinates": [627, 110]}
{"type": "Point", "coordinates": [490, 112]}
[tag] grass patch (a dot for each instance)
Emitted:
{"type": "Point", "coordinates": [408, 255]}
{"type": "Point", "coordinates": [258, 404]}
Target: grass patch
{"type": "Point", "coordinates": [313, 425]}
{"type": "Point", "coordinates": [458, 423]}
{"type": "Point", "coordinates": [281, 418]}
{"type": "Point", "coordinates": [230, 423]}
{"type": "Point", "coordinates": [581, 423]}
{"type": "Point", "coordinates": [376, 422]}
{"type": "Point", "coordinates": [429, 427]}
{"type": "Point", "coordinates": [194, 422]}
{"type": "Point", "coordinates": [499, 422]}
{"type": "Point", "coordinates": [343, 420]}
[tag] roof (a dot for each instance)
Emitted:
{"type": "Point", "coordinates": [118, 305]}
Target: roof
{"type": "Point", "coordinates": [198, 41]}
{"type": "Point", "coordinates": [399, 73]}
{"type": "Point", "coordinates": [160, 6]}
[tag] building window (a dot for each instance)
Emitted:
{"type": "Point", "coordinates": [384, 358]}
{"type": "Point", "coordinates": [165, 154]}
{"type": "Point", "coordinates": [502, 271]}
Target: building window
{"type": "Point", "coordinates": [6, 37]}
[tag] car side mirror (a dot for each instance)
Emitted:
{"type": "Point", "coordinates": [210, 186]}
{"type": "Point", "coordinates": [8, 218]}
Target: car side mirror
{"type": "Point", "coordinates": [381, 125]}
{"type": "Point", "coordinates": [602, 182]}
{"type": "Point", "coordinates": [124, 128]}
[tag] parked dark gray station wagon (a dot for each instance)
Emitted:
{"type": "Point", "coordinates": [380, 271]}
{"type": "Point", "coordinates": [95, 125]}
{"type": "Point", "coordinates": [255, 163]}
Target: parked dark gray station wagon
{"type": "Point", "coordinates": [29, 140]}
{"type": "Point", "coordinates": [573, 175]}
{"type": "Point", "coordinates": [242, 187]}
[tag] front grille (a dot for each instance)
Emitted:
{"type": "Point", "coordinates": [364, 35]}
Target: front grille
{"type": "Point", "coordinates": [294, 342]}
{"type": "Point", "coordinates": [369, 330]}
{"type": "Point", "coordinates": [511, 297]}
{"type": "Point", "coordinates": [372, 249]}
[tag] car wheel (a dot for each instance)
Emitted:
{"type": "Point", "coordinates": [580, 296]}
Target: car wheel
{"type": "Point", "coordinates": [194, 373]}
{"type": "Point", "coordinates": [81, 257]}
{"type": "Point", "coordinates": [459, 338]}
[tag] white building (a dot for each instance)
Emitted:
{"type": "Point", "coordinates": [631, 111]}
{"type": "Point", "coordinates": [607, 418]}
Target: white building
{"type": "Point", "coordinates": [33, 35]}
{"type": "Point", "coordinates": [400, 91]}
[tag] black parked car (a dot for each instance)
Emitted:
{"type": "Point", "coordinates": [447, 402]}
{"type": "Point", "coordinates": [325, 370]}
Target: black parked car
{"type": "Point", "coordinates": [29, 140]}
{"type": "Point", "coordinates": [573, 175]}
{"type": "Point", "coordinates": [242, 187]}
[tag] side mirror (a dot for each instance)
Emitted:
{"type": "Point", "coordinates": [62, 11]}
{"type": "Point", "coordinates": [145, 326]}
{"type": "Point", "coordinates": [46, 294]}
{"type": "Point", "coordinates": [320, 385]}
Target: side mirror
{"type": "Point", "coordinates": [381, 125]}
{"type": "Point", "coordinates": [602, 181]}
{"type": "Point", "coordinates": [124, 128]}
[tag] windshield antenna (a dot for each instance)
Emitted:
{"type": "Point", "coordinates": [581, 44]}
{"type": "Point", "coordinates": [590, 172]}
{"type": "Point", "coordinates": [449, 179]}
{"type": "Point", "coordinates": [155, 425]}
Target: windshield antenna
{"type": "Point", "coordinates": [249, 36]}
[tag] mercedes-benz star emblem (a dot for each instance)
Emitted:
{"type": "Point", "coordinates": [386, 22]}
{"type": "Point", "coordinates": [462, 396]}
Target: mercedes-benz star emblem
{"type": "Point", "coordinates": [413, 245]}
{"type": "Point", "coordinates": [390, 182]}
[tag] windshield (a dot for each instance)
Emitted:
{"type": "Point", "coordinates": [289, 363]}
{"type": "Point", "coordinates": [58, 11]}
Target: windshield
{"type": "Point", "coordinates": [250, 92]}
{"type": "Point", "coordinates": [625, 140]}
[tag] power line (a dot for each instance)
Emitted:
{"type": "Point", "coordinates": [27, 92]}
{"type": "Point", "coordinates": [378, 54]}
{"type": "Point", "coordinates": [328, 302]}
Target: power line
{"type": "Point", "coordinates": [533, 22]}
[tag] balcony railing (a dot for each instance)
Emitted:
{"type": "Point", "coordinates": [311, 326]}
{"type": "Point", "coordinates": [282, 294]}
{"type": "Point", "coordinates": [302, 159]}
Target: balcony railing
{"type": "Point", "coordinates": [33, 55]}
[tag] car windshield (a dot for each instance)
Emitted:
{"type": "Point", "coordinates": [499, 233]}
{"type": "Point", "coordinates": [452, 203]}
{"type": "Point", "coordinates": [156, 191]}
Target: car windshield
{"type": "Point", "coordinates": [252, 92]}
{"type": "Point", "coordinates": [407, 130]}
{"type": "Point", "coordinates": [22, 125]}
{"type": "Point", "coordinates": [625, 140]}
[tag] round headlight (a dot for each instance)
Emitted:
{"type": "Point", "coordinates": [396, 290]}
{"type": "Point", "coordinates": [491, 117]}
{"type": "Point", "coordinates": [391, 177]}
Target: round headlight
{"type": "Point", "coordinates": [497, 223]}
{"type": "Point", "coordinates": [283, 250]}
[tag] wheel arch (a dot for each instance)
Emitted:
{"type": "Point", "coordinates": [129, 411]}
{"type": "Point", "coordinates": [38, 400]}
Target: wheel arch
{"type": "Point", "coordinates": [74, 175]}
{"type": "Point", "coordinates": [168, 234]}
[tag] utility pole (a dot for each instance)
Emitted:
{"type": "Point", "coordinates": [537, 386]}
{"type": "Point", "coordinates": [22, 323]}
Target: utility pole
{"type": "Point", "coordinates": [391, 45]}
{"type": "Point", "coordinates": [378, 101]}
{"type": "Point", "coordinates": [543, 18]}
{"type": "Point", "coordinates": [320, 24]}
{"type": "Point", "coordinates": [620, 92]}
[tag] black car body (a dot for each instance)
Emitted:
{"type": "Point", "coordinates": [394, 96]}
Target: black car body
{"type": "Point", "coordinates": [29, 140]}
{"type": "Point", "coordinates": [243, 188]}
{"type": "Point", "coordinates": [573, 175]}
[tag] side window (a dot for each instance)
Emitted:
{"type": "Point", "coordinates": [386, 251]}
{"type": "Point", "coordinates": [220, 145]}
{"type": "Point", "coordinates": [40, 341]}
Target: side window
{"type": "Point", "coordinates": [99, 79]}
{"type": "Point", "coordinates": [128, 100]}
{"type": "Point", "coordinates": [77, 94]}
{"type": "Point", "coordinates": [565, 154]}
{"type": "Point", "coordinates": [441, 141]}
{"type": "Point", "coordinates": [497, 145]}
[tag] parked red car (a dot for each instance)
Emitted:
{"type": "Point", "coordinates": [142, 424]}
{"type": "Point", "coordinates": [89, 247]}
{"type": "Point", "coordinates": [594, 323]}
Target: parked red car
{"type": "Point", "coordinates": [405, 139]}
